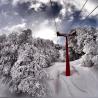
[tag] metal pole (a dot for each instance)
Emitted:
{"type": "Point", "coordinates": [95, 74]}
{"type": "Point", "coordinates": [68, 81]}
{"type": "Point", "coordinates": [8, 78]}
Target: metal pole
{"type": "Point", "coordinates": [67, 59]}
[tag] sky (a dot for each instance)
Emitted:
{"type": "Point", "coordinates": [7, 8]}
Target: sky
{"type": "Point", "coordinates": [38, 15]}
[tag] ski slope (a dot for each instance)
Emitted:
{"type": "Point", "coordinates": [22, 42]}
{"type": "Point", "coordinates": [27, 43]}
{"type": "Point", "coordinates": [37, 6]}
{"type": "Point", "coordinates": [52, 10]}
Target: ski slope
{"type": "Point", "coordinates": [82, 83]}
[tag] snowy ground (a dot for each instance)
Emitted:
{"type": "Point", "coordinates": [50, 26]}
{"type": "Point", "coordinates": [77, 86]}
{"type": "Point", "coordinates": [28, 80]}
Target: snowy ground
{"type": "Point", "coordinates": [82, 83]}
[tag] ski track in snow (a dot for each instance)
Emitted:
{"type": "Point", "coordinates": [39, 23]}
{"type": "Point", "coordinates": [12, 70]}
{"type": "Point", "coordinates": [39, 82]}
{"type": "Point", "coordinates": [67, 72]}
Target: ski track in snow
{"type": "Point", "coordinates": [82, 83]}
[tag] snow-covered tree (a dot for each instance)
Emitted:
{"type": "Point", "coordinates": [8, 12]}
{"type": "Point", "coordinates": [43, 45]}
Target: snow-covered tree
{"type": "Point", "coordinates": [23, 62]}
{"type": "Point", "coordinates": [86, 42]}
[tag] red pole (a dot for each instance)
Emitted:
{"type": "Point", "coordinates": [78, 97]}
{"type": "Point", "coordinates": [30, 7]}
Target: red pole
{"type": "Point", "coordinates": [67, 59]}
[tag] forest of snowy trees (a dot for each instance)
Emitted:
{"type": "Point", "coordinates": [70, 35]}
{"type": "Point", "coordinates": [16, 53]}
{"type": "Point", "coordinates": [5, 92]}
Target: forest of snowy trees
{"type": "Point", "coordinates": [24, 59]}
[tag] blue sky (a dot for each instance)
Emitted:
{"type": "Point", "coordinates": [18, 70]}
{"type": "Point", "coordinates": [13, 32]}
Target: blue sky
{"type": "Point", "coordinates": [16, 15]}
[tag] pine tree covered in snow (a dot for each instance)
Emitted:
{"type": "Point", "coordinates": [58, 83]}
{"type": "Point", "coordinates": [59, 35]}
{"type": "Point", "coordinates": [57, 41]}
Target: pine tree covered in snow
{"type": "Point", "coordinates": [23, 60]}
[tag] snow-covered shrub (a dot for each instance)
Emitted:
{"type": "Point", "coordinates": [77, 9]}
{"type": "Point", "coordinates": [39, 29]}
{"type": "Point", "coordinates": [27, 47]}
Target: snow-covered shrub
{"type": "Point", "coordinates": [62, 55]}
{"type": "Point", "coordinates": [47, 48]}
{"type": "Point", "coordinates": [73, 55]}
{"type": "Point", "coordinates": [87, 60]}
{"type": "Point", "coordinates": [25, 36]}
{"type": "Point", "coordinates": [35, 86]}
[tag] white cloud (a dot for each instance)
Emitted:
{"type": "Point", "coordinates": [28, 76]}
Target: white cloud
{"type": "Point", "coordinates": [15, 28]}
{"type": "Point", "coordinates": [35, 6]}
{"type": "Point", "coordinates": [43, 1]}
{"type": "Point", "coordinates": [15, 2]}
{"type": "Point", "coordinates": [88, 7]}
{"type": "Point", "coordinates": [45, 31]}
{"type": "Point", "coordinates": [77, 3]}
{"type": "Point", "coordinates": [91, 4]}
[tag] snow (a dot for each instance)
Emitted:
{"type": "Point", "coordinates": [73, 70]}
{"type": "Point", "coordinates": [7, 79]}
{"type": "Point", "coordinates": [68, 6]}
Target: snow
{"type": "Point", "coordinates": [82, 83]}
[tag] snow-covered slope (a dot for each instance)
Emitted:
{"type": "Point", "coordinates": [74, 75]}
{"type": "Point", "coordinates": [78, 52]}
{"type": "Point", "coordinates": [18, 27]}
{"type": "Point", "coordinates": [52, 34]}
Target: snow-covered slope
{"type": "Point", "coordinates": [82, 83]}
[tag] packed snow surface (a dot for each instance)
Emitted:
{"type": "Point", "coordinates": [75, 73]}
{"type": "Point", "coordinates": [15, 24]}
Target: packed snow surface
{"type": "Point", "coordinates": [83, 81]}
